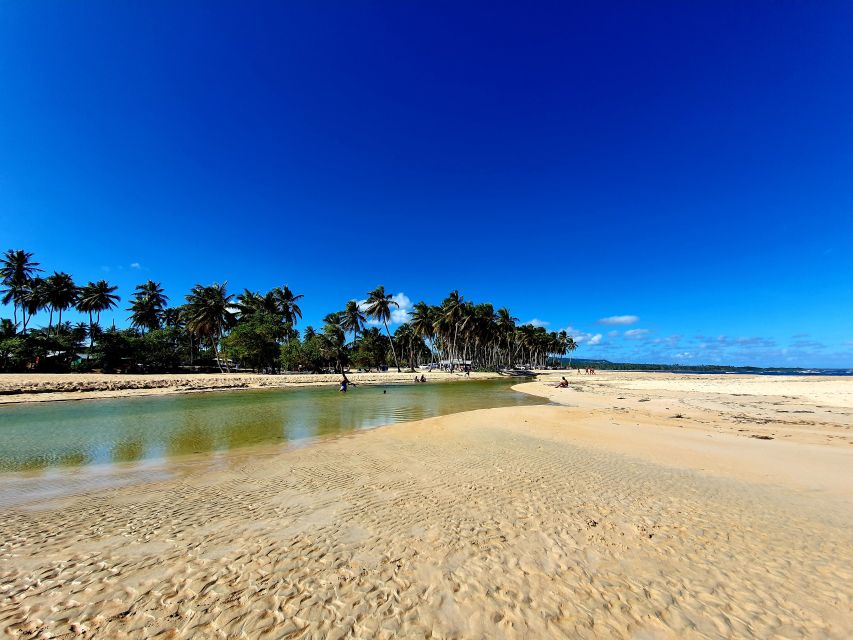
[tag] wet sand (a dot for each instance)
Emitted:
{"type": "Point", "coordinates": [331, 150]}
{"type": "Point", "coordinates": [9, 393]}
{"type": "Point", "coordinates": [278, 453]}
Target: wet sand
{"type": "Point", "coordinates": [597, 517]}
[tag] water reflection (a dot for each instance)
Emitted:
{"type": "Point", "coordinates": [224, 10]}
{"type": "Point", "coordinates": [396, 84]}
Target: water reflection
{"type": "Point", "coordinates": [43, 436]}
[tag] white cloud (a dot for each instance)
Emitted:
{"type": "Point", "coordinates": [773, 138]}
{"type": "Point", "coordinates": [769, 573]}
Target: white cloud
{"type": "Point", "coordinates": [536, 322]}
{"type": "Point", "coordinates": [636, 334]}
{"type": "Point", "coordinates": [399, 315]}
{"type": "Point", "coordinates": [619, 320]}
{"type": "Point", "coordinates": [135, 265]}
{"type": "Point", "coordinates": [582, 337]}
{"type": "Point", "coordinates": [613, 333]}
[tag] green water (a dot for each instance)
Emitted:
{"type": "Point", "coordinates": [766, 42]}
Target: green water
{"type": "Point", "coordinates": [47, 436]}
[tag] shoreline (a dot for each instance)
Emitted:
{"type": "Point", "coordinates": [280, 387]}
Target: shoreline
{"type": "Point", "coordinates": [21, 388]}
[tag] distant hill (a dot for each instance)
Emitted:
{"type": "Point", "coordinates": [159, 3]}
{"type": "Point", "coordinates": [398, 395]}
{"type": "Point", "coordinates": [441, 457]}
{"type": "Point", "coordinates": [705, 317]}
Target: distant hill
{"type": "Point", "coordinates": [583, 363]}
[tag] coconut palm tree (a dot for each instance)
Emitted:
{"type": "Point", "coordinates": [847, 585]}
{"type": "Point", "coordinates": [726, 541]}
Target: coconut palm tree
{"type": "Point", "coordinates": [352, 319]}
{"type": "Point", "coordinates": [147, 306]}
{"type": "Point", "coordinates": [506, 327]}
{"type": "Point", "coordinates": [94, 298]}
{"type": "Point", "coordinates": [251, 302]}
{"type": "Point", "coordinates": [378, 307]}
{"type": "Point", "coordinates": [17, 269]}
{"type": "Point", "coordinates": [452, 309]}
{"type": "Point", "coordinates": [423, 322]}
{"type": "Point", "coordinates": [33, 298]}
{"type": "Point", "coordinates": [61, 294]}
{"type": "Point", "coordinates": [210, 314]}
{"type": "Point", "coordinates": [571, 345]}
{"type": "Point", "coordinates": [287, 307]}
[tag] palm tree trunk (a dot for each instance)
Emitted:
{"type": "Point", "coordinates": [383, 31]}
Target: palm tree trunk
{"type": "Point", "coordinates": [393, 350]}
{"type": "Point", "coordinates": [215, 353]}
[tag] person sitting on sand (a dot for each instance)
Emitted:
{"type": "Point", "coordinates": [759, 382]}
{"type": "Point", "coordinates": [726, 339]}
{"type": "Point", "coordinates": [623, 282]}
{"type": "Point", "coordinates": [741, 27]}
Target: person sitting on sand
{"type": "Point", "coordinates": [563, 383]}
{"type": "Point", "coordinates": [423, 378]}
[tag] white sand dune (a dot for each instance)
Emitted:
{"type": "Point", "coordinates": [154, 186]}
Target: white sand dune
{"type": "Point", "coordinates": [530, 522]}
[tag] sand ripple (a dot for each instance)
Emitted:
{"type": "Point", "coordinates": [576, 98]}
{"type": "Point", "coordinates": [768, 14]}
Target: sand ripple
{"type": "Point", "coordinates": [473, 525]}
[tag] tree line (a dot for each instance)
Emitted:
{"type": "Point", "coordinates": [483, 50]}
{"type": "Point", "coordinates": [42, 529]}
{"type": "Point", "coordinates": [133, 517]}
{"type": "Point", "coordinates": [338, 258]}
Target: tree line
{"type": "Point", "coordinates": [217, 330]}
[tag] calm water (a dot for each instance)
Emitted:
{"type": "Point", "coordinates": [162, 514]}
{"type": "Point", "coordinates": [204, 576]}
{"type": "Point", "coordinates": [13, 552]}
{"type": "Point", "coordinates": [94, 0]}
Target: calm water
{"type": "Point", "coordinates": [44, 437]}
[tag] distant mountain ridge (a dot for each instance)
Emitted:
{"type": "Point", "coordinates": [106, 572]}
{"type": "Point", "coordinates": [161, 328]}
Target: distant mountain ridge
{"type": "Point", "coordinates": [583, 363]}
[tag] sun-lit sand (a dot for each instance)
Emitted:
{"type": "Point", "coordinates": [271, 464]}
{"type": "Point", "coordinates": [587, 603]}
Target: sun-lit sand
{"type": "Point", "coordinates": [640, 506]}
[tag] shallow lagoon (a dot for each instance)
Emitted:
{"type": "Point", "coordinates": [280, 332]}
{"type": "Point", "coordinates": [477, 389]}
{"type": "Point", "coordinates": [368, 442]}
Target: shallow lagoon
{"type": "Point", "coordinates": [47, 436]}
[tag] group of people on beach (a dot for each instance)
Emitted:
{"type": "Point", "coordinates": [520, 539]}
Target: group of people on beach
{"type": "Point", "coordinates": [589, 371]}
{"type": "Point", "coordinates": [421, 379]}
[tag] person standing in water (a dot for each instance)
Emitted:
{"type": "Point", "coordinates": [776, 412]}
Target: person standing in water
{"type": "Point", "coordinates": [345, 383]}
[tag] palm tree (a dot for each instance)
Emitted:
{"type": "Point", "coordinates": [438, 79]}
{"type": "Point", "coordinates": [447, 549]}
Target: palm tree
{"type": "Point", "coordinates": [61, 294]}
{"type": "Point", "coordinates": [379, 308]}
{"type": "Point", "coordinates": [571, 345]}
{"type": "Point", "coordinates": [209, 314]}
{"type": "Point", "coordinates": [33, 299]}
{"type": "Point", "coordinates": [452, 308]}
{"type": "Point", "coordinates": [287, 306]}
{"type": "Point", "coordinates": [94, 298]}
{"type": "Point", "coordinates": [506, 326]}
{"type": "Point", "coordinates": [173, 317]}
{"type": "Point", "coordinates": [352, 319]}
{"type": "Point", "coordinates": [149, 302]}
{"type": "Point", "coordinates": [16, 271]}
{"type": "Point", "coordinates": [251, 302]}
{"type": "Point", "coordinates": [423, 322]}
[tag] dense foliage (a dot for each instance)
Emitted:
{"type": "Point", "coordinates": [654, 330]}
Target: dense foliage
{"type": "Point", "coordinates": [216, 330]}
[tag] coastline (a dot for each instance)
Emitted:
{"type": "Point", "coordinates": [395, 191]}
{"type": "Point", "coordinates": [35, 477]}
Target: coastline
{"type": "Point", "coordinates": [596, 515]}
{"type": "Point", "coordinates": [18, 388]}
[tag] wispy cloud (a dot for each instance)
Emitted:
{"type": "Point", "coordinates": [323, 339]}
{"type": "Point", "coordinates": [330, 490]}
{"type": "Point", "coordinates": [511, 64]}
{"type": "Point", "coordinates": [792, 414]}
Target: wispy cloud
{"type": "Point", "coordinates": [536, 322]}
{"type": "Point", "coordinates": [636, 334]}
{"type": "Point", "coordinates": [623, 320]}
{"type": "Point", "coordinates": [135, 265]}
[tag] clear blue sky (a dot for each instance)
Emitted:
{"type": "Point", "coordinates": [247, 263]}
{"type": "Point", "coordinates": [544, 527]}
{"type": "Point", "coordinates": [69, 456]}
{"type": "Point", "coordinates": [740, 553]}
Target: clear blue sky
{"type": "Point", "coordinates": [686, 163]}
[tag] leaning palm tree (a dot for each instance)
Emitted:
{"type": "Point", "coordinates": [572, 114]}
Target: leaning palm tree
{"type": "Point", "coordinates": [209, 314]}
{"type": "Point", "coordinates": [287, 307]}
{"type": "Point", "coordinates": [17, 269]}
{"type": "Point", "coordinates": [352, 319]}
{"type": "Point", "coordinates": [379, 308]}
{"type": "Point", "coordinates": [94, 298]}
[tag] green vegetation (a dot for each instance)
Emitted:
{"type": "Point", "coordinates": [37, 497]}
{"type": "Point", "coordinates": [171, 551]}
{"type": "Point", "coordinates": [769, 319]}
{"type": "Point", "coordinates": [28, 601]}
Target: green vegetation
{"type": "Point", "coordinates": [214, 330]}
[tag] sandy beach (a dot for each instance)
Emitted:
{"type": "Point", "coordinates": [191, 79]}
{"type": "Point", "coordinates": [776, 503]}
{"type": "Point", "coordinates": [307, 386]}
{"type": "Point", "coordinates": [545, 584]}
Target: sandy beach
{"type": "Point", "coordinates": [634, 506]}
